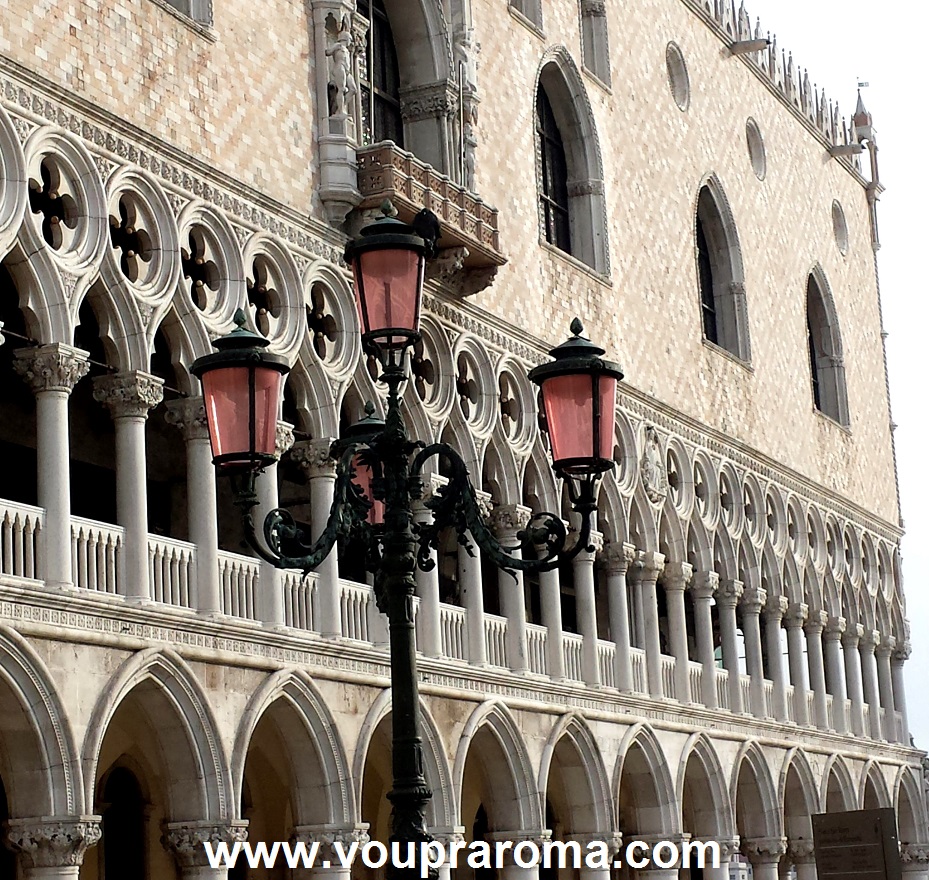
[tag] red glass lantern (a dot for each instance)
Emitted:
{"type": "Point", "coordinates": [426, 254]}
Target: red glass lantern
{"type": "Point", "coordinates": [241, 394]}
{"type": "Point", "coordinates": [388, 261]}
{"type": "Point", "coordinates": [364, 477]}
{"type": "Point", "coordinates": [579, 397]}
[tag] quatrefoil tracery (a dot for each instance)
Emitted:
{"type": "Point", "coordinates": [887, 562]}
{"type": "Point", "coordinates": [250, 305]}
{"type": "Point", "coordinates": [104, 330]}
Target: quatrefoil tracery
{"type": "Point", "coordinates": [50, 198]}
{"type": "Point", "coordinates": [262, 296]}
{"type": "Point", "coordinates": [321, 325]}
{"type": "Point", "coordinates": [126, 236]}
{"type": "Point", "coordinates": [199, 269]}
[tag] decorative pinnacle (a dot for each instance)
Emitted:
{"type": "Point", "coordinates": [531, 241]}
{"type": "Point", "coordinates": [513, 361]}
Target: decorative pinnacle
{"type": "Point", "coordinates": [239, 318]}
{"type": "Point", "coordinates": [577, 328]}
{"type": "Point", "coordinates": [369, 408]}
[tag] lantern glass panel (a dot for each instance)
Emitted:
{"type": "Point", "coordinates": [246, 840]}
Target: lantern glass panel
{"type": "Point", "coordinates": [388, 284]}
{"type": "Point", "coordinates": [569, 412]}
{"type": "Point", "coordinates": [362, 479]}
{"type": "Point", "coordinates": [226, 395]}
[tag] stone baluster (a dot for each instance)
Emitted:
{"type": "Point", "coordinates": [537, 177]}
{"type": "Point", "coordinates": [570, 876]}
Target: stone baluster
{"type": "Point", "coordinates": [835, 678]}
{"type": "Point", "coordinates": [753, 600]}
{"type": "Point", "coordinates": [507, 521]}
{"type": "Point", "coordinates": [900, 656]}
{"type": "Point", "coordinates": [674, 580]}
{"type": "Point", "coordinates": [586, 608]}
{"type": "Point", "coordinates": [189, 416]}
{"type": "Point", "coordinates": [52, 848]}
{"type": "Point", "coordinates": [727, 597]}
{"type": "Point", "coordinates": [764, 854]}
{"type": "Point", "coordinates": [886, 687]}
{"type": "Point", "coordinates": [775, 609]}
{"type": "Point", "coordinates": [866, 648]}
{"type": "Point", "coordinates": [703, 588]}
{"type": "Point", "coordinates": [617, 559]}
{"type": "Point", "coordinates": [185, 841]}
{"type": "Point", "coordinates": [853, 679]}
{"type": "Point", "coordinates": [129, 398]}
{"type": "Point", "coordinates": [795, 620]}
{"type": "Point", "coordinates": [813, 628]}
{"type": "Point", "coordinates": [800, 854]}
{"type": "Point", "coordinates": [645, 573]}
{"type": "Point", "coordinates": [330, 838]}
{"type": "Point", "coordinates": [51, 372]}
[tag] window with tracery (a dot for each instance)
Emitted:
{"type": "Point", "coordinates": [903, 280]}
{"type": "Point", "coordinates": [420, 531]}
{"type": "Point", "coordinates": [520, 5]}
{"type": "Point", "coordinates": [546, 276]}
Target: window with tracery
{"type": "Point", "coordinates": [381, 119]}
{"type": "Point", "coordinates": [824, 347]}
{"type": "Point", "coordinates": [554, 194]}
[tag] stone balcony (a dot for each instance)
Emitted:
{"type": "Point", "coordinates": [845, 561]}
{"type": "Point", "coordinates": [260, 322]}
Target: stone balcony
{"type": "Point", "coordinates": [387, 172]}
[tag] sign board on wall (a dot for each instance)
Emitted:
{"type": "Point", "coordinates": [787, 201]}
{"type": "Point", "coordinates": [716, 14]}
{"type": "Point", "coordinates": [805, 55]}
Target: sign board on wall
{"type": "Point", "coordinates": [857, 845]}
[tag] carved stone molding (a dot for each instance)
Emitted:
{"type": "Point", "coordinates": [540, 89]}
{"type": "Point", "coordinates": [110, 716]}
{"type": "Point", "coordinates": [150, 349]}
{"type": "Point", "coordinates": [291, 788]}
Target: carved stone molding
{"type": "Point", "coordinates": [617, 557]}
{"type": "Point", "coordinates": [129, 395]}
{"type": "Point", "coordinates": [800, 851]}
{"type": "Point", "coordinates": [188, 414]}
{"type": "Point", "coordinates": [54, 367]}
{"type": "Point", "coordinates": [185, 840]}
{"type": "Point", "coordinates": [914, 856]}
{"type": "Point", "coordinates": [283, 438]}
{"type": "Point", "coordinates": [55, 842]}
{"type": "Point", "coordinates": [313, 456]}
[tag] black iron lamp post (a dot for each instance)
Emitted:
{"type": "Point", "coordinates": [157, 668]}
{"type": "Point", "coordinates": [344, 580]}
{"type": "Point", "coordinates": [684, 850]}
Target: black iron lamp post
{"type": "Point", "coordinates": [380, 468]}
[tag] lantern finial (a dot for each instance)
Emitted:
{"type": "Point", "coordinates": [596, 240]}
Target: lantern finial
{"type": "Point", "coordinates": [577, 328]}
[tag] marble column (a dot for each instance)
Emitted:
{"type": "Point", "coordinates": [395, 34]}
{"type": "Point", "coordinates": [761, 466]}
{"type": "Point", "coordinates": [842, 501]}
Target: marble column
{"type": "Point", "coordinates": [617, 558]}
{"type": "Point", "coordinates": [329, 838]}
{"type": "Point", "coordinates": [510, 869]}
{"type": "Point", "coordinates": [449, 837]}
{"type": "Point", "coordinates": [703, 588]}
{"type": "Point", "coordinates": [319, 466]}
{"type": "Point", "coordinates": [835, 674]}
{"type": "Point", "coordinates": [674, 580]}
{"type": "Point", "coordinates": [728, 847]}
{"type": "Point", "coordinates": [472, 590]}
{"type": "Point", "coordinates": [506, 521]}
{"type": "Point", "coordinates": [645, 573]}
{"type": "Point", "coordinates": [866, 648]}
{"type": "Point", "coordinates": [550, 594]}
{"type": "Point", "coordinates": [813, 628]}
{"type": "Point", "coordinates": [800, 855]}
{"type": "Point", "coordinates": [185, 840]}
{"type": "Point", "coordinates": [189, 416]}
{"type": "Point", "coordinates": [775, 609]}
{"type": "Point", "coordinates": [51, 372]}
{"type": "Point", "coordinates": [853, 681]}
{"type": "Point", "coordinates": [129, 398]}
{"type": "Point", "coordinates": [900, 656]}
{"type": "Point", "coordinates": [764, 854]}
{"type": "Point", "coordinates": [886, 687]}
{"type": "Point", "coordinates": [586, 609]}
{"type": "Point", "coordinates": [429, 616]}
{"type": "Point", "coordinates": [753, 600]}
{"type": "Point", "coordinates": [51, 848]}
{"type": "Point", "coordinates": [727, 597]}
{"type": "Point", "coordinates": [795, 620]}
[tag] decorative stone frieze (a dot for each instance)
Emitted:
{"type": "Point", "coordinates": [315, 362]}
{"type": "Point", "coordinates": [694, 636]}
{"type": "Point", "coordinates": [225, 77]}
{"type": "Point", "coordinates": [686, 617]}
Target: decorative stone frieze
{"type": "Point", "coordinates": [185, 840]}
{"type": "Point", "coordinates": [55, 842]}
{"type": "Point", "coordinates": [55, 367]}
{"type": "Point", "coordinates": [188, 414]}
{"type": "Point", "coordinates": [915, 856]}
{"type": "Point", "coordinates": [129, 395]}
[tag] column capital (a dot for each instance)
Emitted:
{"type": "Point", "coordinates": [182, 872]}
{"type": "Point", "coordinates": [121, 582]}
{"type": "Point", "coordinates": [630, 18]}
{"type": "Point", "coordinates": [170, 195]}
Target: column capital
{"type": "Point", "coordinates": [851, 638]}
{"type": "Point", "coordinates": [835, 628]}
{"type": "Point", "coordinates": [52, 842]}
{"type": "Point", "coordinates": [432, 483]}
{"type": "Point", "coordinates": [595, 541]}
{"type": "Point", "coordinates": [647, 566]}
{"type": "Point", "coordinates": [188, 414]}
{"type": "Point", "coordinates": [886, 647]}
{"type": "Point", "coordinates": [764, 850]}
{"type": "Point", "coordinates": [327, 836]}
{"type": "Point", "coordinates": [617, 557]}
{"type": "Point", "coordinates": [538, 836]}
{"type": "Point", "coordinates": [612, 839]}
{"type": "Point", "coordinates": [184, 840]}
{"type": "Point", "coordinates": [676, 576]}
{"type": "Point", "coordinates": [485, 503]}
{"type": "Point", "coordinates": [283, 438]}
{"type": "Point", "coordinates": [914, 854]}
{"type": "Point", "coordinates": [870, 640]}
{"type": "Point", "coordinates": [449, 835]}
{"type": "Point", "coordinates": [729, 592]}
{"type": "Point", "coordinates": [816, 622]}
{"type": "Point", "coordinates": [55, 367]}
{"type": "Point", "coordinates": [704, 584]}
{"type": "Point", "coordinates": [313, 456]}
{"type": "Point", "coordinates": [508, 519]}
{"type": "Point", "coordinates": [753, 600]}
{"type": "Point", "coordinates": [775, 608]}
{"type": "Point", "coordinates": [796, 615]}
{"type": "Point", "coordinates": [800, 851]}
{"type": "Point", "coordinates": [902, 654]}
{"type": "Point", "coordinates": [129, 395]}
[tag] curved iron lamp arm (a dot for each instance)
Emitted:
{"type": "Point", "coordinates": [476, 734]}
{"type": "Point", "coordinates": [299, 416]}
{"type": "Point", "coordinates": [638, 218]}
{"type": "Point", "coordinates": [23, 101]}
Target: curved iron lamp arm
{"type": "Point", "coordinates": [347, 518]}
{"type": "Point", "coordinates": [456, 505]}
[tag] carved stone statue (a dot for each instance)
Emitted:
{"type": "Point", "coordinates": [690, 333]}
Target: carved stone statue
{"type": "Point", "coordinates": [342, 87]}
{"type": "Point", "coordinates": [654, 474]}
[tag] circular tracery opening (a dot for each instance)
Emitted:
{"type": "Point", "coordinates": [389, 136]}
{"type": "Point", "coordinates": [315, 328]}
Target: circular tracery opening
{"type": "Point", "coordinates": [840, 227]}
{"type": "Point", "coordinates": [130, 236]}
{"type": "Point", "coordinates": [50, 199]}
{"type": "Point", "coordinates": [199, 267]}
{"type": "Point", "coordinates": [678, 78]}
{"type": "Point", "coordinates": [320, 324]}
{"type": "Point", "coordinates": [756, 150]}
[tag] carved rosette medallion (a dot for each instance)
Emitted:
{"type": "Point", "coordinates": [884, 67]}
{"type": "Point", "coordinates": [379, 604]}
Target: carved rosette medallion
{"type": "Point", "coordinates": [653, 467]}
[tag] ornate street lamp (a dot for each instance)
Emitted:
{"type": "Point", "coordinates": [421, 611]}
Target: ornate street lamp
{"type": "Point", "coordinates": [380, 469]}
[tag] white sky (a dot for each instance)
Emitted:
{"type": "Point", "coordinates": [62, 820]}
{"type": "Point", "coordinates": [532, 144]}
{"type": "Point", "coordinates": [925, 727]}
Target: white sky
{"type": "Point", "coordinates": [840, 43]}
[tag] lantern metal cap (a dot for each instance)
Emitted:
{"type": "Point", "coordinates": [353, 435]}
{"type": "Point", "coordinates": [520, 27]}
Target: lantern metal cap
{"type": "Point", "coordinates": [362, 431]}
{"type": "Point", "coordinates": [576, 355]}
{"type": "Point", "coordinates": [240, 347]}
{"type": "Point", "coordinates": [386, 232]}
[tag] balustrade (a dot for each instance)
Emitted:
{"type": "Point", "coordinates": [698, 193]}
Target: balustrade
{"type": "Point", "coordinates": [172, 568]}
{"type": "Point", "coordinates": [454, 634]}
{"type": "Point", "coordinates": [238, 582]}
{"type": "Point", "coordinates": [606, 654]}
{"type": "Point", "coordinates": [495, 636]}
{"type": "Point", "coordinates": [536, 644]}
{"type": "Point", "coordinates": [299, 600]}
{"type": "Point", "coordinates": [96, 556]}
{"type": "Point", "coordinates": [20, 535]}
{"type": "Point", "coordinates": [354, 602]}
{"type": "Point", "coordinates": [639, 678]}
{"type": "Point", "coordinates": [573, 657]}
{"type": "Point", "coordinates": [722, 687]}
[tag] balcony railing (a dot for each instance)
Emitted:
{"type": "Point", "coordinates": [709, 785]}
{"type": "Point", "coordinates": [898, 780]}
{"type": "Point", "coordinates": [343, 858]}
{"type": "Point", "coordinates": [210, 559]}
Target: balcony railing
{"type": "Point", "coordinates": [172, 571]}
{"type": "Point", "coordinates": [96, 551]}
{"type": "Point", "coordinates": [639, 679]}
{"type": "Point", "coordinates": [606, 655]}
{"type": "Point", "coordinates": [536, 641]}
{"type": "Point", "coordinates": [238, 584]}
{"type": "Point", "coordinates": [722, 688]}
{"type": "Point", "coordinates": [495, 636]}
{"type": "Point", "coordinates": [452, 622]}
{"type": "Point", "coordinates": [299, 600]}
{"type": "Point", "coordinates": [20, 534]}
{"type": "Point", "coordinates": [573, 657]}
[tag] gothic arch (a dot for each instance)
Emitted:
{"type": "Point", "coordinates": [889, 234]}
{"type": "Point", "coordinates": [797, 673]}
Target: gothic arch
{"type": "Point", "coordinates": [539, 481]}
{"type": "Point", "coordinates": [198, 783]}
{"type": "Point", "coordinates": [873, 791]}
{"type": "Point", "coordinates": [716, 807]}
{"type": "Point", "coordinates": [641, 758]}
{"type": "Point", "coordinates": [44, 779]}
{"type": "Point", "coordinates": [826, 363]}
{"type": "Point", "coordinates": [838, 784]}
{"type": "Point", "coordinates": [122, 332]}
{"type": "Point", "coordinates": [761, 816]}
{"type": "Point", "coordinates": [42, 298]}
{"type": "Point", "coordinates": [797, 793]}
{"type": "Point", "coordinates": [305, 723]}
{"type": "Point", "coordinates": [911, 808]}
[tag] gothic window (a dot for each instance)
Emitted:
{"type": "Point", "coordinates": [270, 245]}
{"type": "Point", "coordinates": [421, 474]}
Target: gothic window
{"type": "Point", "coordinates": [380, 78]}
{"type": "Point", "coordinates": [594, 40]}
{"type": "Point", "coordinates": [554, 194]}
{"type": "Point", "coordinates": [723, 311]}
{"type": "Point", "coordinates": [824, 345]}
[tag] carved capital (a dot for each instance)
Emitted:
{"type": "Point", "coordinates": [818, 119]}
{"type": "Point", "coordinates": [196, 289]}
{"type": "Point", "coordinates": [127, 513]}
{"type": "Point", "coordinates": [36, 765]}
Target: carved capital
{"type": "Point", "coordinates": [538, 836]}
{"type": "Point", "coordinates": [449, 835]}
{"type": "Point", "coordinates": [55, 367]}
{"type": "Point", "coordinates": [593, 8]}
{"type": "Point", "coordinates": [729, 592]}
{"type": "Point", "coordinates": [53, 842]}
{"type": "Point", "coordinates": [816, 622]}
{"type": "Point", "coordinates": [835, 627]}
{"type": "Point", "coordinates": [184, 840]}
{"type": "Point", "coordinates": [313, 456]}
{"type": "Point", "coordinates": [647, 567]}
{"type": "Point", "coordinates": [753, 600]}
{"type": "Point", "coordinates": [886, 647]}
{"type": "Point", "coordinates": [617, 557]}
{"type": "Point", "coordinates": [902, 654]}
{"type": "Point", "coordinates": [800, 851]}
{"type": "Point", "coordinates": [764, 850]}
{"type": "Point", "coordinates": [428, 102]}
{"type": "Point", "coordinates": [129, 395]}
{"type": "Point", "coordinates": [484, 503]}
{"type": "Point", "coordinates": [851, 638]}
{"type": "Point", "coordinates": [507, 519]}
{"type": "Point", "coordinates": [283, 438]}
{"type": "Point", "coordinates": [796, 615]}
{"type": "Point", "coordinates": [870, 640]}
{"type": "Point", "coordinates": [775, 609]}
{"type": "Point", "coordinates": [676, 576]}
{"type": "Point", "coordinates": [188, 414]}
{"type": "Point", "coordinates": [704, 584]}
{"type": "Point", "coordinates": [914, 855]}
{"type": "Point", "coordinates": [612, 839]}
{"type": "Point", "coordinates": [327, 836]}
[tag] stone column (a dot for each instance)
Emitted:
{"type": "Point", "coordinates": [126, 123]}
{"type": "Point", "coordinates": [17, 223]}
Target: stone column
{"type": "Point", "coordinates": [507, 520]}
{"type": "Point", "coordinates": [850, 642]}
{"type": "Point", "coordinates": [585, 602]}
{"type": "Point", "coordinates": [472, 590]}
{"type": "Point", "coordinates": [764, 853]}
{"type": "Point", "coordinates": [313, 457]}
{"type": "Point", "coordinates": [814, 653]}
{"type": "Point", "coordinates": [796, 618]}
{"type": "Point", "coordinates": [429, 616]}
{"type": "Point", "coordinates": [900, 656]}
{"type": "Point", "coordinates": [327, 836]}
{"type": "Point", "coordinates": [448, 837]}
{"type": "Point", "coordinates": [727, 597]}
{"type": "Point", "coordinates": [616, 559]}
{"type": "Point", "coordinates": [550, 594]}
{"type": "Point", "coordinates": [52, 848]}
{"type": "Point", "coordinates": [129, 397]}
{"type": "Point", "coordinates": [866, 648]}
{"type": "Point", "coordinates": [189, 415]}
{"type": "Point", "coordinates": [611, 840]}
{"type": "Point", "coordinates": [51, 372]}
{"type": "Point", "coordinates": [727, 849]}
{"type": "Point", "coordinates": [775, 609]}
{"type": "Point", "coordinates": [753, 600]}
{"type": "Point", "coordinates": [703, 589]}
{"type": "Point", "coordinates": [835, 679]}
{"type": "Point", "coordinates": [914, 858]}
{"type": "Point", "coordinates": [663, 852]}
{"type": "Point", "coordinates": [800, 854]}
{"type": "Point", "coordinates": [674, 580]}
{"type": "Point", "coordinates": [886, 688]}
{"type": "Point", "coordinates": [644, 574]}
{"type": "Point", "coordinates": [510, 869]}
{"type": "Point", "coordinates": [185, 840]}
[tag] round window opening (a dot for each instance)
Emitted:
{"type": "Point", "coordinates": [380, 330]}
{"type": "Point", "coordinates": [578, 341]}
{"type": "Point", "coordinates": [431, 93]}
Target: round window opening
{"type": "Point", "coordinates": [756, 150]}
{"type": "Point", "coordinates": [677, 76]}
{"type": "Point", "coordinates": [840, 228]}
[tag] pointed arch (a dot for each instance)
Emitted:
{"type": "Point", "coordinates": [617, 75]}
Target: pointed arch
{"type": "Point", "coordinates": [712, 817]}
{"type": "Point", "coordinates": [910, 805]}
{"type": "Point", "coordinates": [569, 165]}
{"type": "Point", "coordinates": [824, 341]}
{"type": "Point", "coordinates": [873, 791]}
{"type": "Point", "coordinates": [754, 798]}
{"type": "Point", "coordinates": [797, 792]}
{"type": "Point", "coordinates": [643, 765]}
{"type": "Point", "coordinates": [838, 789]}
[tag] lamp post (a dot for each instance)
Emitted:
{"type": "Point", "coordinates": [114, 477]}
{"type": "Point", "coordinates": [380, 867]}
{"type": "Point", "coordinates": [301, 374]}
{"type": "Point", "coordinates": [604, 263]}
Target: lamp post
{"type": "Point", "coordinates": [380, 470]}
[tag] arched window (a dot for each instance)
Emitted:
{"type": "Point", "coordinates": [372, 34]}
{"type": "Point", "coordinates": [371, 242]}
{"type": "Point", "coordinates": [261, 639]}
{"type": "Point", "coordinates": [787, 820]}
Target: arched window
{"type": "Point", "coordinates": [824, 344]}
{"type": "Point", "coordinates": [724, 314]}
{"type": "Point", "coordinates": [595, 44]}
{"type": "Point", "coordinates": [570, 175]}
{"type": "Point", "coordinates": [123, 827]}
{"type": "Point", "coordinates": [380, 78]}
